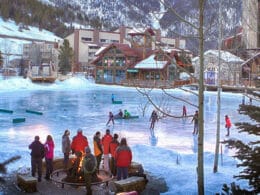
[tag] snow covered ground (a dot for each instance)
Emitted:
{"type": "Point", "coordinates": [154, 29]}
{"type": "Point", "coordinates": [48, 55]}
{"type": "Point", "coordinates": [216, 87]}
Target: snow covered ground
{"type": "Point", "coordinates": [78, 103]}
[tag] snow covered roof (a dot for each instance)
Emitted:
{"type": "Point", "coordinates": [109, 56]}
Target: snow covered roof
{"type": "Point", "coordinates": [100, 50]}
{"type": "Point", "coordinates": [151, 63]}
{"type": "Point", "coordinates": [225, 56]}
{"type": "Point", "coordinates": [141, 31]}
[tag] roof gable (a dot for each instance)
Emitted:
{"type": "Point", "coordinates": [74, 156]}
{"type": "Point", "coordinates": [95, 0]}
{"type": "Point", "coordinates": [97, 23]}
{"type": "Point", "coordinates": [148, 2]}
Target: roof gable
{"type": "Point", "coordinates": [151, 63]}
{"type": "Point", "coordinates": [225, 56]}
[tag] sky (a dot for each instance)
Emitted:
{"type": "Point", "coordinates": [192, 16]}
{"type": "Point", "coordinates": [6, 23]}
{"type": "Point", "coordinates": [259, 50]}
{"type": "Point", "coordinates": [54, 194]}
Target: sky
{"type": "Point", "coordinates": [79, 103]}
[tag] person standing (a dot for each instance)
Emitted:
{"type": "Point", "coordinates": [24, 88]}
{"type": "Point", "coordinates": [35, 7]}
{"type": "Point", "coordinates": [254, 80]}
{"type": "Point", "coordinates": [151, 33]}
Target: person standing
{"type": "Point", "coordinates": [195, 119]}
{"type": "Point", "coordinates": [49, 154]}
{"type": "Point", "coordinates": [123, 157]}
{"type": "Point", "coordinates": [37, 154]}
{"type": "Point", "coordinates": [106, 140]}
{"type": "Point", "coordinates": [79, 142]}
{"type": "Point", "coordinates": [228, 124]}
{"type": "Point", "coordinates": [110, 118]}
{"type": "Point", "coordinates": [112, 148]}
{"type": "Point", "coordinates": [89, 168]}
{"type": "Point", "coordinates": [184, 111]}
{"type": "Point", "coordinates": [112, 97]}
{"type": "Point", "coordinates": [98, 151]}
{"type": "Point", "coordinates": [153, 119]}
{"type": "Point", "coordinates": [66, 148]}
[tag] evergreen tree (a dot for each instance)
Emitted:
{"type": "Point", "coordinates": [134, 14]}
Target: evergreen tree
{"type": "Point", "coordinates": [249, 153]}
{"type": "Point", "coordinates": [65, 57]}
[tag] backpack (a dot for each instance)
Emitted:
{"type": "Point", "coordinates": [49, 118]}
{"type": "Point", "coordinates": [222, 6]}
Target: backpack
{"type": "Point", "coordinates": [90, 163]}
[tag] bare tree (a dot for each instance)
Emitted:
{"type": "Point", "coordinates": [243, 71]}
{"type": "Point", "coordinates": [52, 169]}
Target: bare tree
{"type": "Point", "coordinates": [198, 27]}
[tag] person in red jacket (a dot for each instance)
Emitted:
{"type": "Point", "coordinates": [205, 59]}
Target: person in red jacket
{"type": "Point", "coordinates": [228, 124]}
{"type": "Point", "coordinates": [106, 139]}
{"type": "Point", "coordinates": [112, 148]}
{"type": "Point", "coordinates": [79, 142]}
{"type": "Point", "coordinates": [123, 157]}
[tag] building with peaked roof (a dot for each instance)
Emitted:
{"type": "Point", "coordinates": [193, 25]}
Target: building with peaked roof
{"type": "Point", "coordinates": [86, 42]}
{"type": "Point", "coordinates": [138, 62]}
{"type": "Point", "coordinates": [230, 67]}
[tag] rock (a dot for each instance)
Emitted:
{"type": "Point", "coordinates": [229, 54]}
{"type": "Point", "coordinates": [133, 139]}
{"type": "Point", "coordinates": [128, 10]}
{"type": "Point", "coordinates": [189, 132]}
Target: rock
{"type": "Point", "coordinates": [155, 185]}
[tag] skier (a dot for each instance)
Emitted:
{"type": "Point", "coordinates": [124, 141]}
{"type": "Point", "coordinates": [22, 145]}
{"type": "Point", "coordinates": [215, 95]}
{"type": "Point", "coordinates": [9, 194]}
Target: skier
{"type": "Point", "coordinates": [110, 118]}
{"type": "Point", "coordinates": [184, 111]}
{"type": "Point", "coordinates": [196, 122]}
{"type": "Point", "coordinates": [153, 119]}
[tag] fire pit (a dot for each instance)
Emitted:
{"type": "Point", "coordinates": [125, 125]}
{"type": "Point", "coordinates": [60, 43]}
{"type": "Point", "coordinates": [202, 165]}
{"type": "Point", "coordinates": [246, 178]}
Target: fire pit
{"type": "Point", "coordinates": [75, 176]}
{"type": "Point", "coordinates": [60, 176]}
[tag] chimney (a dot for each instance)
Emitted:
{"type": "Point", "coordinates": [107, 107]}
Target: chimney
{"type": "Point", "coordinates": [96, 36]}
{"type": "Point", "coordinates": [122, 30]}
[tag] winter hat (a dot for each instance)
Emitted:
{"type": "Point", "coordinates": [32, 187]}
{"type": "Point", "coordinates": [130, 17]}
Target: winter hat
{"type": "Point", "coordinates": [87, 150]}
{"type": "Point", "coordinates": [67, 132]}
{"type": "Point", "coordinates": [79, 130]}
{"type": "Point", "coordinates": [115, 136]}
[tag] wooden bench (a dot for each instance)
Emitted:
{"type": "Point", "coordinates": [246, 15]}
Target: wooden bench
{"type": "Point", "coordinates": [133, 183]}
{"type": "Point", "coordinates": [27, 183]}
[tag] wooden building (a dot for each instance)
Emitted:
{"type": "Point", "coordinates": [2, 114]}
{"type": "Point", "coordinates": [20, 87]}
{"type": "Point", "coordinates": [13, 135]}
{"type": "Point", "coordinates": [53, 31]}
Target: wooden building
{"type": "Point", "coordinates": [230, 68]}
{"type": "Point", "coordinates": [138, 63]}
{"type": "Point", "coordinates": [251, 71]}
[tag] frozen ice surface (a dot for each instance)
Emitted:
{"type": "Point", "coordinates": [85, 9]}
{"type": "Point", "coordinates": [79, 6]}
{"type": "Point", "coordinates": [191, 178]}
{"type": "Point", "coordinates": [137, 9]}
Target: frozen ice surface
{"type": "Point", "coordinates": [79, 103]}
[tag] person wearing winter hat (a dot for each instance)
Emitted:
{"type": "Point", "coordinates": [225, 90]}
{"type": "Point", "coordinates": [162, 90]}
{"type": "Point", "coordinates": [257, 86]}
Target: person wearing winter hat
{"type": "Point", "coordinates": [98, 150]}
{"type": "Point", "coordinates": [66, 148]}
{"type": "Point", "coordinates": [106, 139]}
{"type": "Point", "coordinates": [228, 124]}
{"type": "Point", "coordinates": [112, 148]}
{"type": "Point", "coordinates": [89, 168]}
{"type": "Point", "coordinates": [79, 142]}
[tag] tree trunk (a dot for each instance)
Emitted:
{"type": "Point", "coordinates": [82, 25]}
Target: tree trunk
{"type": "Point", "coordinates": [201, 102]}
{"type": "Point", "coordinates": [215, 167]}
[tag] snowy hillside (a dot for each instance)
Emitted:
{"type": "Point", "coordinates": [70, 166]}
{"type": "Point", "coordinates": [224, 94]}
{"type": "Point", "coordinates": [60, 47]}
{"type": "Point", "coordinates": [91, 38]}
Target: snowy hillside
{"type": "Point", "coordinates": [14, 45]}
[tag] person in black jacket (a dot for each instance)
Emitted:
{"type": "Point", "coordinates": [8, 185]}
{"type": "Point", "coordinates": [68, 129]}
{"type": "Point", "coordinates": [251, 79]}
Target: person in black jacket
{"type": "Point", "coordinates": [37, 155]}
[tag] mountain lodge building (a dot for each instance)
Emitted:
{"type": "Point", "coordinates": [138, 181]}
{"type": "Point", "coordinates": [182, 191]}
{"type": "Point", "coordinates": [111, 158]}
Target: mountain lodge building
{"type": "Point", "coordinates": [138, 63]}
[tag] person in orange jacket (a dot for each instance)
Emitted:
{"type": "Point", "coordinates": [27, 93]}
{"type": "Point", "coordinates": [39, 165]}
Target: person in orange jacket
{"type": "Point", "coordinates": [112, 148]}
{"type": "Point", "coordinates": [123, 157]}
{"type": "Point", "coordinates": [79, 142]}
{"type": "Point", "coordinates": [228, 124]}
{"type": "Point", "coordinates": [98, 151]}
{"type": "Point", "coordinates": [106, 139]}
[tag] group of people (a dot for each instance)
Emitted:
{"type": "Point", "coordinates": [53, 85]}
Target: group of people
{"type": "Point", "coordinates": [117, 156]}
{"type": "Point", "coordinates": [120, 114]}
{"type": "Point", "coordinates": [40, 151]}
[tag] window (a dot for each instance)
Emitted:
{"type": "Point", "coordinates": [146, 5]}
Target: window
{"type": "Point", "coordinates": [91, 54]}
{"type": "Point", "coordinates": [114, 41]}
{"type": "Point", "coordinates": [86, 39]}
{"type": "Point", "coordinates": [103, 40]}
{"type": "Point", "coordinates": [94, 47]}
{"type": "Point", "coordinates": [120, 75]}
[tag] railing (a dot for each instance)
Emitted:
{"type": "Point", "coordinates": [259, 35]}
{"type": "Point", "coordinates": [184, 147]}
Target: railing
{"type": "Point", "coordinates": [164, 84]}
